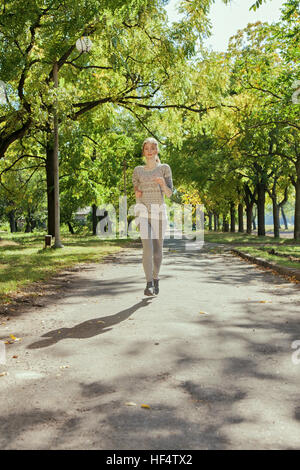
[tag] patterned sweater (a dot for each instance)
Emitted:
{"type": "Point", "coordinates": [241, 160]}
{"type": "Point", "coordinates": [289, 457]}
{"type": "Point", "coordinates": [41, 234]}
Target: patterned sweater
{"type": "Point", "coordinates": [152, 191]}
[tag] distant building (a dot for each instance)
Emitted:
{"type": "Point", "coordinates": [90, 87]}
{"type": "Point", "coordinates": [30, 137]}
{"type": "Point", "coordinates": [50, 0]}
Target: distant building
{"type": "Point", "coordinates": [82, 213]}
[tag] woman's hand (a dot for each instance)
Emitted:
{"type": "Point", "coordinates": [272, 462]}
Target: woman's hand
{"type": "Point", "coordinates": [138, 193]}
{"type": "Point", "coordinates": [159, 180]}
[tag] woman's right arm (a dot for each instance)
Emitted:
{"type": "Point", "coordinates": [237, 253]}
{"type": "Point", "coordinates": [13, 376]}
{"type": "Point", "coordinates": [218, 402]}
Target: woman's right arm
{"type": "Point", "coordinates": [135, 182]}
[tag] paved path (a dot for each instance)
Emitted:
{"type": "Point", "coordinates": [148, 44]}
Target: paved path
{"type": "Point", "coordinates": [283, 233]}
{"type": "Point", "coordinates": [223, 379]}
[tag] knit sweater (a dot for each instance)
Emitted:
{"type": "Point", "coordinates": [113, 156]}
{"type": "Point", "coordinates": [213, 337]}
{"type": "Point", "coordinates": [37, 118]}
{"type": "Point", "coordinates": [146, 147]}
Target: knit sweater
{"type": "Point", "coordinates": [153, 194]}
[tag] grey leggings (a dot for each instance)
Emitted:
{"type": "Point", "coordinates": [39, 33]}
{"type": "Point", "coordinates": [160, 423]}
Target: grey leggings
{"type": "Point", "coordinates": [152, 236]}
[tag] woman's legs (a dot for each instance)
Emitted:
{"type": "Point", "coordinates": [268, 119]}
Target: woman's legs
{"type": "Point", "coordinates": [152, 236]}
{"type": "Point", "coordinates": [158, 242]}
{"type": "Point", "coordinates": [157, 256]}
{"type": "Point", "coordinates": [145, 230]}
{"type": "Point", "coordinates": [147, 258]}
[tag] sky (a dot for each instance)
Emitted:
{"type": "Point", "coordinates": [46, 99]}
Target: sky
{"type": "Point", "coordinates": [227, 19]}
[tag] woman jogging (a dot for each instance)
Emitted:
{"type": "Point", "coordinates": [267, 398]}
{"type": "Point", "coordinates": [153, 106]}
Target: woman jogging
{"type": "Point", "coordinates": [151, 181]}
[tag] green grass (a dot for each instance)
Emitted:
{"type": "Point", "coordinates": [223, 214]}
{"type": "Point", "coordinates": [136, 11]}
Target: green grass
{"type": "Point", "coordinates": [262, 252]}
{"type": "Point", "coordinates": [23, 259]}
{"type": "Point", "coordinates": [258, 246]}
{"type": "Point", "coordinates": [232, 238]}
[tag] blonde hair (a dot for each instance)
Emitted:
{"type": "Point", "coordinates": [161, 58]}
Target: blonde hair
{"type": "Point", "coordinates": [151, 140]}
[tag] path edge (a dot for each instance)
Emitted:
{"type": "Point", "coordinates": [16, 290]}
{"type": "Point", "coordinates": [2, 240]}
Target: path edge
{"type": "Point", "coordinates": [290, 272]}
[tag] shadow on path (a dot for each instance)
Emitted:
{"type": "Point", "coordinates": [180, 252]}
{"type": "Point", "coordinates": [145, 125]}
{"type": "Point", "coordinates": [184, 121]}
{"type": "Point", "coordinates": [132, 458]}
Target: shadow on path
{"type": "Point", "coordinates": [89, 328]}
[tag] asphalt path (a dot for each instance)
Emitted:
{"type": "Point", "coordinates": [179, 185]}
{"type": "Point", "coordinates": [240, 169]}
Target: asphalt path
{"type": "Point", "coordinates": [211, 357]}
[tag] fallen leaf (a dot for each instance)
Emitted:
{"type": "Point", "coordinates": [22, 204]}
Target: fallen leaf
{"type": "Point", "coordinates": [130, 403]}
{"type": "Point", "coordinates": [145, 406]}
{"type": "Point", "coordinates": [201, 311]}
{"type": "Point", "coordinates": [2, 374]}
{"type": "Point", "coordinates": [12, 340]}
{"type": "Point", "coordinates": [15, 357]}
{"type": "Point", "coordinates": [9, 341]}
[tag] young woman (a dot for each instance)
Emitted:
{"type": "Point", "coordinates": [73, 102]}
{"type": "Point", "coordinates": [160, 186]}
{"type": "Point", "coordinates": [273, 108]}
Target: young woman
{"type": "Point", "coordinates": [151, 181]}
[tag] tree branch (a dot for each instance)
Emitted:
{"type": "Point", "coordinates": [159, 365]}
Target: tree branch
{"type": "Point", "coordinates": [7, 141]}
{"type": "Point", "coordinates": [82, 67]}
{"type": "Point", "coordinates": [143, 124]}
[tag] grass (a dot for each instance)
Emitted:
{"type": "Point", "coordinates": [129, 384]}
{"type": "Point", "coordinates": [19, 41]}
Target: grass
{"type": "Point", "coordinates": [244, 238]}
{"type": "Point", "coordinates": [262, 252]}
{"type": "Point", "coordinates": [258, 246]}
{"type": "Point", "coordinates": [23, 259]}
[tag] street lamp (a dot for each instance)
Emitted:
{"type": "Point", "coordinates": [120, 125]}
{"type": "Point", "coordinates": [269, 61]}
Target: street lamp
{"type": "Point", "coordinates": [124, 173]}
{"type": "Point", "coordinates": [83, 44]}
{"type": "Point", "coordinates": [57, 243]}
{"type": "Point", "coordinates": [3, 93]}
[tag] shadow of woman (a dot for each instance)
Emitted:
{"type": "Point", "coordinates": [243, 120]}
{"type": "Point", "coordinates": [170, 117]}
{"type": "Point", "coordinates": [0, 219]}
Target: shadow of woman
{"type": "Point", "coordinates": [89, 328]}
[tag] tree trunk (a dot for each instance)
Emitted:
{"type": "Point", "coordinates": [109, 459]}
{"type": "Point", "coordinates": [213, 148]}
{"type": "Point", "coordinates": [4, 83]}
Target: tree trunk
{"type": "Point", "coordinates": [50, 186]}
{"type": "Point", "coordinates": [249, 199]}
{"type": "Point", "coordinates": [277, 205]}
{"type": "Point", "coordinates": [71, 230]}
{"type": "Point", "coordinates": [225, 224]}
{"type": "Point", "coordinates": [261, 197]}
{"type": "Point", "coordinates": [284, 218]}
{"type": "Point", "coordinates": [12, 221]}
{"type": "Point", "coordinates": [28, 226]}
{"type": "Point", "coordinates": [28, 223]}
{"type": "Point", "coordinates": [215, 222]}
{"type": "Point", "coordinates": [32, 224]}
{"type": "Point", "coordinates": [241, 217]}
{"type": "Point", "coordinates": [232, 217]}
{"type": "Point", "coordinates": [210, 221]}
{"type": "Point", "coordinates": [249, 210]}
{"type": "Point", "coordinates": [275, 217]}
{"type": "Point", "coordinates": [94, 219]}
{"type": "Point", "coordinates": [297, 210]}
{"type": "Point", "coordinates": [253, 221]}
{"type": "Point", "coordinates": [273, 196]}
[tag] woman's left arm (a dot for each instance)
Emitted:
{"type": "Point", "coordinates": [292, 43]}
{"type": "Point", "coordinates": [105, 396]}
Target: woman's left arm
{"type": "Point", "coordinates": [167, 188]}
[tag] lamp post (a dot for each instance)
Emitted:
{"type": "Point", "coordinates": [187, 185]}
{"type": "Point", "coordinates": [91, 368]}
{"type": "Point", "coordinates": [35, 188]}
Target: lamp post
{"type": "Point", "coordinates": [123, 200]}
{"type": "Point", "coordinates": [124, 171]}
{"type": "Point", "coordinates": [83, 44]}
{"type": "Point", "coordinates": [57, 243]}
{"type": "Point", "coordinates": [3, 93]}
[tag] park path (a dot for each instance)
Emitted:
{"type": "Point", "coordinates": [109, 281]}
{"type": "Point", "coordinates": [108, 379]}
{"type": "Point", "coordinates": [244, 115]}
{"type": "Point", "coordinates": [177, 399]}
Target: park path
{"type": "Point", "coordinates": [222, 379]}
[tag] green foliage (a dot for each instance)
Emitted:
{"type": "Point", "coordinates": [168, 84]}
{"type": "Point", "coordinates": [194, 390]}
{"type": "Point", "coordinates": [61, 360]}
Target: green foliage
{"type": "Point", "coordinates": [223, 119]}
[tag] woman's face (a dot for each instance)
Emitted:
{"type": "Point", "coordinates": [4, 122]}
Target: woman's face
{"type": "Point", "coordinates": [150, 149]}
